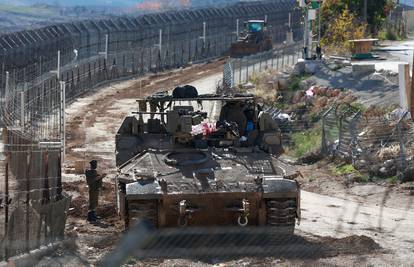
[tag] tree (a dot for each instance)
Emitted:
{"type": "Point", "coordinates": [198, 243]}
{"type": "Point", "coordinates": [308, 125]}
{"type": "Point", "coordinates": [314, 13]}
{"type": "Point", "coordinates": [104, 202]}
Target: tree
{"type": "Point", "coordinates": [343, 28]}
{"type": "Point", "coordinates": [376, 11]}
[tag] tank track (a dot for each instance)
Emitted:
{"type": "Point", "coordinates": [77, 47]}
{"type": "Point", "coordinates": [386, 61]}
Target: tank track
{"type": "Point", "coordinates": [281, 215]}
{"type": "Point", "coordinates": [142, 210]}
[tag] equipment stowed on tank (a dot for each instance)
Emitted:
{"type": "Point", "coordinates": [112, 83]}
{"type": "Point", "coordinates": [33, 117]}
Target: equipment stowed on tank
{"type": "Point", "coordinates": [189, 160]}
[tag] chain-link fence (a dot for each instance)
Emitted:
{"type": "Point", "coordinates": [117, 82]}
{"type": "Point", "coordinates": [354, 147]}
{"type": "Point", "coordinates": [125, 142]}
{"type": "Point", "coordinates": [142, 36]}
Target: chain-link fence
{"type": "Point", "coordinates": [33, 206]}
{"type": "Point", "coordinates": [240, 70]}
{"type": "Point", "coordinates": [378, 144]}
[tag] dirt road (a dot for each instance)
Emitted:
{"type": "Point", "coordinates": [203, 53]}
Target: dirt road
{"type": "Point", "coordinates": [392, 228]}
{"type": "Point", "coordinates": [92, 124]}
{"type": "Point", "coordinates": [92, 121]}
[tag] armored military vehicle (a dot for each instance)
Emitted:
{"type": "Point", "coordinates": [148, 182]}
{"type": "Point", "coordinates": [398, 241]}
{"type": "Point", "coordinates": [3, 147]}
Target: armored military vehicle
{"type": "Point", "coordinates": [203, 160]}
{"type": "Point", "coordinates": [253, 39]}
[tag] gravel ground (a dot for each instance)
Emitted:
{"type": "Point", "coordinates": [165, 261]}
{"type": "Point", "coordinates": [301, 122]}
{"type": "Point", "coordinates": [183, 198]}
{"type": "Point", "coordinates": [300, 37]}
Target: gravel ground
{"type": "Point", "coordinates": [379, 88]}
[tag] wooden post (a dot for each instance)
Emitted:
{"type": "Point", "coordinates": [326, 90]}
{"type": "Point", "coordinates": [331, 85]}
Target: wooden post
{"type": "Point", "coordinates": [405, 90]}
{"type": "Point", "coordinates": [412, 91]}
{"type": "Point", "coordinates": [6, 211]}
{"type": "Point", "coordinates": [28, 188]}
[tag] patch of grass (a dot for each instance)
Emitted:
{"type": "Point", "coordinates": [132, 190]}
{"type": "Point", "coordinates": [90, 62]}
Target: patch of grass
{"type": "Point", "coordinates": [389, 35]}
{"type": "Point", "coordinates": [305, 142]}
{"type": "Point", "coordinates": [295, 80]}
{"type": "Point", "coordinates": [393, 179]}
{"type": "Point", "coordinates": [345, 169]}
{"type": "Point", "coordinates": [359, 106]}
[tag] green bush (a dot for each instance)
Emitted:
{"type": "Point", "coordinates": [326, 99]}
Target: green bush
{"type": "Point", "coordinates": [345, 169]}
{"type": "Point", "coordinates": [388, 35]}
{"type": "Point", "coordinates": [295, 80]}
{"type": "Point", "coordinates": [304, 142]}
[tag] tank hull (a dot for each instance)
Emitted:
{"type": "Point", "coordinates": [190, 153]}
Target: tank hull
{"type": "Point", "coordinates": [274, 203]}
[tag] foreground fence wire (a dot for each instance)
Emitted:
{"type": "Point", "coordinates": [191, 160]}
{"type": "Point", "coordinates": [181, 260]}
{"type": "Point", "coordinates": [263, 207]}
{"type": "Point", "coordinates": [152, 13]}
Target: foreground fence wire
{"type": "Point", "coordinates": [34, 89]}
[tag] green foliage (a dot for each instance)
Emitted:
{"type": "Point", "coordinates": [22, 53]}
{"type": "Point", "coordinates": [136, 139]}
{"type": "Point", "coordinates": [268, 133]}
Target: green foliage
{"type": "Point", "coordinates": [344, 27]}
{"type": "Point", "coordinates": [389, 35]}
{"type": "Point", "coordinates": [295, 80]}
{"type": "Point", "coordinates": [393, 179]}
{"type": "Point", "coordinates": [377, 11]}
{"type": "Point", "coordinates": [359, 106]}
{"type": "Point", "coordinates": [364, 178]}
{"type": "Point", "coordinates": [304, 142]}
{"type": "Point", "coordinates": [345, 169]}
{"type": "Point", "coordinates": [343, 20]}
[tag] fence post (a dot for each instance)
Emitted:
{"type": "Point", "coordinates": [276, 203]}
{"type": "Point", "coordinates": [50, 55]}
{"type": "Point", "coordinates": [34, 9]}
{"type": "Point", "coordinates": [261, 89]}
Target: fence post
{"type": "Point", "coordinates": [260, 61]}
{"type": "Point", "coordinates": [28, 188]}
{"type": "Point", "coordinates": [7, 88]}
{"type": "Point", "coordinates": [277, 59]}
{"type": "Point", "coordinates": [340, 134]}
{"type": "Point", "coordinates": [240, 70]}
{"type": "Point", "coordinates": [6, 198]}
{"type": "Point", "coordinates": [324, 147]}
{"type": "Point", "coordinates": [22, 107]}
{"type": "Point", "coordinates": [6, 207]}
{"type": "Point", "coordinates": [402, 159]}
{"type": "Point", "coordinates": [247, 71]}
{"type": "Point", "coordinates": [62, 117]}
{"type": "Point", "coordinates": [354, 137]}
{"type": "Point", "coordinates": [253, 68]}
{"type": "Point", "coordinates": [233, 69]}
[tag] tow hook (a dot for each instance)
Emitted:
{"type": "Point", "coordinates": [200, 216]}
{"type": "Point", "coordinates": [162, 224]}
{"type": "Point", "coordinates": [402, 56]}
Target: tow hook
{"type": "Point", "coordinates": [242, 220]}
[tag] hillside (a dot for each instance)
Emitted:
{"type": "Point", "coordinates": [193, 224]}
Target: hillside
{"type": "Point", "coordinates": [23, 14]}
